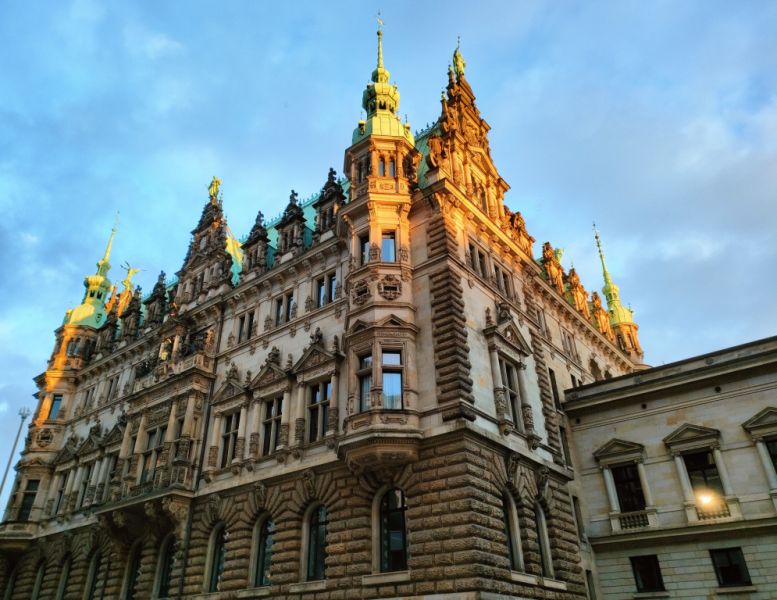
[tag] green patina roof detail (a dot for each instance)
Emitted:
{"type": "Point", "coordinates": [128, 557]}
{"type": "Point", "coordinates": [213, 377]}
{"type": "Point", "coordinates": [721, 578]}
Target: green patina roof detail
{"type": "Point", "coordinates": [91, 312]}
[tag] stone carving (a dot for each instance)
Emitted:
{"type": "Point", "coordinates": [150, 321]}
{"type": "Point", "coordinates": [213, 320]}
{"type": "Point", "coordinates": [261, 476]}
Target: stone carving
{"type": "Point", "coordinates": [44, 437]}
{"type": "Point", "coordinates": [390, 287]}
{"type": "Point", "coordinates": [552, 266]}
{"type": "Point", "coordinates": [360, 292]}
{"type": "Point", "coordinates": [577, 295]}
{"type": "Point", "coordinates": [309, 482]}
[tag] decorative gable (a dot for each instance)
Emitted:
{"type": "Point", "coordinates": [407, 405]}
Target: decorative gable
{"type": "Point", "coordinates": [763, 423]}
{"type": "Point", "coordinates": [229, 389]}
{"type": "Point", "coordinates": [505, 333]}
{"type": "Point", "coordinates": [114, 436]}
{"type": "Point", "coordinates": [690, 437]}
{"type": "Point", "coordinates": [617, 451]}
{"type": "Point", "coordinates": [270, 374]}
{"type": "Point", "coordinates": [314, 356]}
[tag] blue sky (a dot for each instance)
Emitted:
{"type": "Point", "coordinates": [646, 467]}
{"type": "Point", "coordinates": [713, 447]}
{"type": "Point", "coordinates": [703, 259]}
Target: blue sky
{"type": "Point", "coordinates": [658, 120]}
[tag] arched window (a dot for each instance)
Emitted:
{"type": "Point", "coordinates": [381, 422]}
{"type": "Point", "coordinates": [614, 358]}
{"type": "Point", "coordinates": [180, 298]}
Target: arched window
{"type": "Point", "coordinates": [263, 537]}
{"type": "Point", "coordinates": [543, 542]}
{"type": "Point", "coordinates": [90, 586]}
{"type": "Point", "coordinates": [10, 587]}
{"type": "Point", "coordinates": [40, 573]}
{"type": "Point", "coordinates": [512, 533]}
{"type": "Point", "coordinates": [316, 543]}
{"type": "Point", "coordinates": [133, 570]}
{"type": "Point", "coordinates": [382, 167]}
{"type": "Point", "coordinates": [218, 554]}
{"type": "Point", "coordinates": [64, 577]}
{"type": "Point", "coordinates": [165, 567]}
{"type": "Point", "coordinates": [393, 539]}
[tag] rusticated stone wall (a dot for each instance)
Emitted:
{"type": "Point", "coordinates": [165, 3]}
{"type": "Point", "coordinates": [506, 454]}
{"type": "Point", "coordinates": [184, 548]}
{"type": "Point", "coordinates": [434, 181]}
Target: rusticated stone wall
{"type": "Point", "coordinates": [455, 531]}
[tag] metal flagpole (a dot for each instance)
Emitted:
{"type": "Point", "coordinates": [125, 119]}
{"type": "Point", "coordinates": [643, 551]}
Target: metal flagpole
{"type": "Point", "coordinates": [23, 413]}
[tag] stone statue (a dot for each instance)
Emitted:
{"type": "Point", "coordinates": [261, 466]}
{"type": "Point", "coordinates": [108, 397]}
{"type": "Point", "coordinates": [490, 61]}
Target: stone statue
{"type": "Point", "coordinates": [131, 272]}
{"type": "Point", "coordinates": [458, 61]}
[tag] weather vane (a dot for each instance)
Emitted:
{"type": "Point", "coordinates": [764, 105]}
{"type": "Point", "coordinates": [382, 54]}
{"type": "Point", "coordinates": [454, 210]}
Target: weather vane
{"type": "Point", "coordinates": [380, 22]}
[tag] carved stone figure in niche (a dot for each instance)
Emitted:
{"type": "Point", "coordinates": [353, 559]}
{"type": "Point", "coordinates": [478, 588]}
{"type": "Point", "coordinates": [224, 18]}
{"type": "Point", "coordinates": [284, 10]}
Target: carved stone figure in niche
{"type": "Point", "coordinates": [503, 312]}
{"type": "Point", "coordinates": [578, 294]}
{"type": "Point", "coordinates": [552, 267]}
{"type": "Point", "coordinates": [600, 317]}
{"type": "Point", "coordinates": [274, 356]}
{"type": "Point", "coordinates": [165, 349]}
{"type": "Point", "coordinates": [437, 156]}
{"type": "Point", "coordinates": [316, 337]}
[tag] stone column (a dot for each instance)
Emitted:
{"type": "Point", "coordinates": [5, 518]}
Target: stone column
{"type": "Point", "coordinates": [724, 478]}
{"type": "Point", "coordinates": [526, 411]}
{"type": "Point", "coordinates": [500, 400]}
{"type": "Point", "coordinates": [771, 476]}
{"type": "Point", "coordinates": [685, 482]}
{"type": "Point", "coordinates": [102, 480]}
{"type": "Point", "coordinates": [643, 481]}
{"type": "Point", "coordinates": [64, 505]}
{"type": "Point", "coordinates": [89, 497]}
{"type": "Point", "coordinates": [188, 419]}
{"type": "Point", "coordinates": [284, 440]}
{"type": "Point", "coordinates": [215, 434]}
{"type": "Point", "coordinates": [609, 484]}
{"type": "Point", "coordinates": [140, 444]}
{"type": "Point", "coordinates": [255, 417]}
{"type": "Point", "coordinates": [241, 434]}
{"type": "Point", "coordinates": [53, 488]}
{"type": "Point", "coordinates": [333, 425]}
{"type": "Point", "coordinates": [299, 413]}
{"type": "Point", "coordinates": [73, 497]}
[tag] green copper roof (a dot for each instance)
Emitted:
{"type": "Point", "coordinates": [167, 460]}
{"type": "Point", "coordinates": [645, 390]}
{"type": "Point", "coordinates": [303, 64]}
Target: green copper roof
{"type": "Point", "coordinates": [618, 313]}
{"type": "Point", "coordinates": [91, 311]}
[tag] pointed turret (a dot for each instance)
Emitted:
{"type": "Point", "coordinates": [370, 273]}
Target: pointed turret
{"type": "Point", "coordinates": [92, 311]}
{"type": "Point", "coordinates": [621, 318]}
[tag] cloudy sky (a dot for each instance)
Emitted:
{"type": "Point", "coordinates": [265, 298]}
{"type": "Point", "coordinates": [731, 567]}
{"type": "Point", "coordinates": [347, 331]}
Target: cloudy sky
{"type": "Point", "coordinates": [658, 120]}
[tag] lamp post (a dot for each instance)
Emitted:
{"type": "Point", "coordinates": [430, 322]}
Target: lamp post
{"type": "Point", "coordinates": [24, 412]}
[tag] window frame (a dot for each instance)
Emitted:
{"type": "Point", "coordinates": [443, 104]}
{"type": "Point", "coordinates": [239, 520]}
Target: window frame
{"type": "Point", "coordinates": [385, 533]}
{"type": "Point", "coordinates": [627, 486]}
{"type": "Point", "coordinates": [364, 373]}
{"type": "Point", "coordinates": [388, 245]}
{"type": "Point", "coordinates": [229, 437]}
{"type": "Point", "coordinates": [652, 561]}
{"type": "Point", "coordinates": [737, 551]}
{"type": "Point", "coordinates": [131, 571]}
{"type": "Point", "coordinates": [512, 529]}
{"type": "Point", "coordinates": [393, 369]}
{"type": "Point", "coordinates": [55, 407]}
{"type": "Point", "coordinates": [260, 553]}
{"type": "Point", "coordinates": [508, 369]}
{"type": "Point", "coordinates": [217, 553]}
{"type": "Point", "coordinates": [27, 504]}
{"type": "Point", "coordinates": [164, 566]}
{"type": "Point", "coordinates": [312, 521]}
{"type": "Point", "coordinates": [543, 541]}
{"type": "Point", "coordinates": [321, 389]}
{"type": "Point", "coordinates": [271, 423]}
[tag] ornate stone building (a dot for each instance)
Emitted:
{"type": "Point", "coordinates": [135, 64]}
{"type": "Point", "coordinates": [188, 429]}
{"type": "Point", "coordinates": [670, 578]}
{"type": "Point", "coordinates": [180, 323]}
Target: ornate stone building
{"type": "Point", "coordinates": [361, 400]}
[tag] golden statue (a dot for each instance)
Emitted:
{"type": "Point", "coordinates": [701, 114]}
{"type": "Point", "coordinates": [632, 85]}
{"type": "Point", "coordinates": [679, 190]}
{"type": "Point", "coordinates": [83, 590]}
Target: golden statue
{"type": "Point", "coordinates": [213, 189]}
{"type": "Point", "coordinates": [131, 272]}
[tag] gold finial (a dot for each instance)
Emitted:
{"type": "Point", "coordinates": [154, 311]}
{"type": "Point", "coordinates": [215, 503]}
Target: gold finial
{"type": "Point", "coordinates": [213, 189]}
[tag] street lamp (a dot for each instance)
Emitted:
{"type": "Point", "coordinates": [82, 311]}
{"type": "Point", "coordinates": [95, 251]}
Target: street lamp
{"type": "Point", "coordinates": [24, 412]}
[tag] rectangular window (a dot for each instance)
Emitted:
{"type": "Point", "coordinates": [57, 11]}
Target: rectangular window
{"type": "Point", "coordinates": [647, 573]}
{"type": "Point", "coordinates": [318, 410]}
{"type": "Point", "coordinates": [703, 472]}
{"type": "Point", "coordinates": [771, 447]}
{"type": "Point", "coordinates": [568, 343]}
{"type": "Point", "coordinates": [331, 286]}
{"type": "Point", "coordinates": [392, 380]}
{"type": "Point", "coordinates": [365, 381]}
{"type": "Point", "coordinates": [578, 518]}
{"type": "Point", "coordinates": [730, 567]}
{"type": "Point", "coordinates": [321, 292]}
{"type": "Point", "coordinates": [590, 585]}
{"type": "Point", "coordinates": [482, 269]}
{"type": "Point", "coordinates": [554, 388]}
{"type": "Point", "coordinates": [271, 425]}
{"type": "Point", "coordinates": [250, 325]}
{"type": "Point", "coordinates": [86, 475]}
{"type": "Point", "coordinates": [567, 455]}
{"type": "Point", "coordinates": [388, 247]}
{"type": "Point", "coordinates": [229, 438]}
{"type": "Point", "coordinates": [284, 306]}
{"type": "Point", "coordinates": [241, 326]}
{"type": "Point", "coordinates": [510, 383]}
{"type": "Point", "coordinates": [326, 288]}
{"type": "Point", "coordinates": [473, 257]}
{"type": "Point", "coordinates": [278, 311]}
{"type": "Point", "coordinates": [154, 441]}
{"type": "Point", "coordinates": [502, 278]}
{"type": "Point", "coordinates": [364, 249]}
{"type": "Point", "coordinates": [60, 493]}
{"type": "Point", "coordinates": [628, 487]}
{"type": "Point", "coordinates": [28, 499]}
{"type": "Point", "coordinates": [289, 307]}
{"type": "Point", "coordinates": [56, 403]}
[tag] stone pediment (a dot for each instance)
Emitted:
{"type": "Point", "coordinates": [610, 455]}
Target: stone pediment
{"type": "Point", "coordinates": [269, 374]}
{"type": "Point", "coordinates": [114, 436]}
{"type": "Point", "coordinates": [617, 450]}
{"type": "Point", "coordinates": [763, 423]}
{"type": "Point", "coordinates": [314, 356]}
{"type": "Point", "coordinates": [689, 436]}
{"type": "Point", "coordinates": [229, 389]}
{"type": "Point", "coordinates": [68, 451]}
{"type": "Point", "coordinates": [389, 322]}
{"type": "Point", "coordinates": [509, 333]}
{"type": "Point", "coordinates": [90, 444]}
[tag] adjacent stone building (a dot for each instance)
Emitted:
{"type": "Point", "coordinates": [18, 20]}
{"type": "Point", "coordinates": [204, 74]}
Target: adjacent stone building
{"type": "Point", "coordinates": [360, 400]}
{"type": "Point", "coordinates": [677, 477]}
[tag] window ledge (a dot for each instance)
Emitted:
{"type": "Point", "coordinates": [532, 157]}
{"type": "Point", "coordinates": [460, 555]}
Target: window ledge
{"type": "Point", "coordinates": [307, 586]}
{"type": "Point", "coordinates": [258, 592]}
{"type": "Point", "coordinates": [554, 584]}
{"type": "Point", "coordinates": [383, 578]}
{"type": "Point", "coordinates": [645, 595]}
{"type": "Point", "coordinates": [521, 577]}
{"type": "Point", "coordinates": [736, 589]}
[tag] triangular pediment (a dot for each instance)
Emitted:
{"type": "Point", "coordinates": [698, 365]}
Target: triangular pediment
{"type": "Point", "coordinates": [763, 420]}
{"type": "Point", "coordinates": [114, 436]}
{"type": "Point", "coordinates": [268, 374]}
{"type": "Point", "coordinates": [229, 389]}
{"type": "Point", "coordinates": [90, 444]}
{"type": "Point", "coordinates": [508, 333]}
{"type": "Point", "coordinates": [391, 321]}
{"type": "Point", "coordinates": [617, 448]}
{"type": "Point", "coordinates": [68, 451]}
{"type": "Point", "coordinates": [691, 433]}
{"type": "Point", "coordinates": [314, 356]}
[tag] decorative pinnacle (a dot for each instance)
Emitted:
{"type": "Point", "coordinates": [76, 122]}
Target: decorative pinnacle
{"type": "Point", "coordinates": [606, 273]}
{"type": "Point", "coordinates": [380, 41]}
{"type": "Point", "coordinates": [103, 265]}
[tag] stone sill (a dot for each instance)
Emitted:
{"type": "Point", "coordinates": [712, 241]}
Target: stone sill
{"type": "Point", "coordinates": [520, 577]}
{"type": "Point", "coordinates": [645, 595]}
{"type": "Point", "coordinates": [553, 583]}
{"type": "Point", "coordinates": [307, 586]}
{"type": "Point", "coordinates": [259, 592]}
{"type": "Point", "coordinates": [738, 589]}
{"type": "Point", "coordinates": [384, 578]}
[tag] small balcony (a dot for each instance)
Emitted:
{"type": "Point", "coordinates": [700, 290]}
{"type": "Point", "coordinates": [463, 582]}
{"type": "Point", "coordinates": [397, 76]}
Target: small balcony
{"type": "Point", "coordinates": [630, 521]}
{"type": "Point", "coordinates": [380, 439]}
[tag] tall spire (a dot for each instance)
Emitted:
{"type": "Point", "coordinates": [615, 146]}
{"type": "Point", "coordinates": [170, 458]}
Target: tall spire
{"type": "Point", "coordinates": [608, 283]}
{"type": "Point", "coordinates": [380, 101]}
{"type": "Point", "coordinates": [103, 265]}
